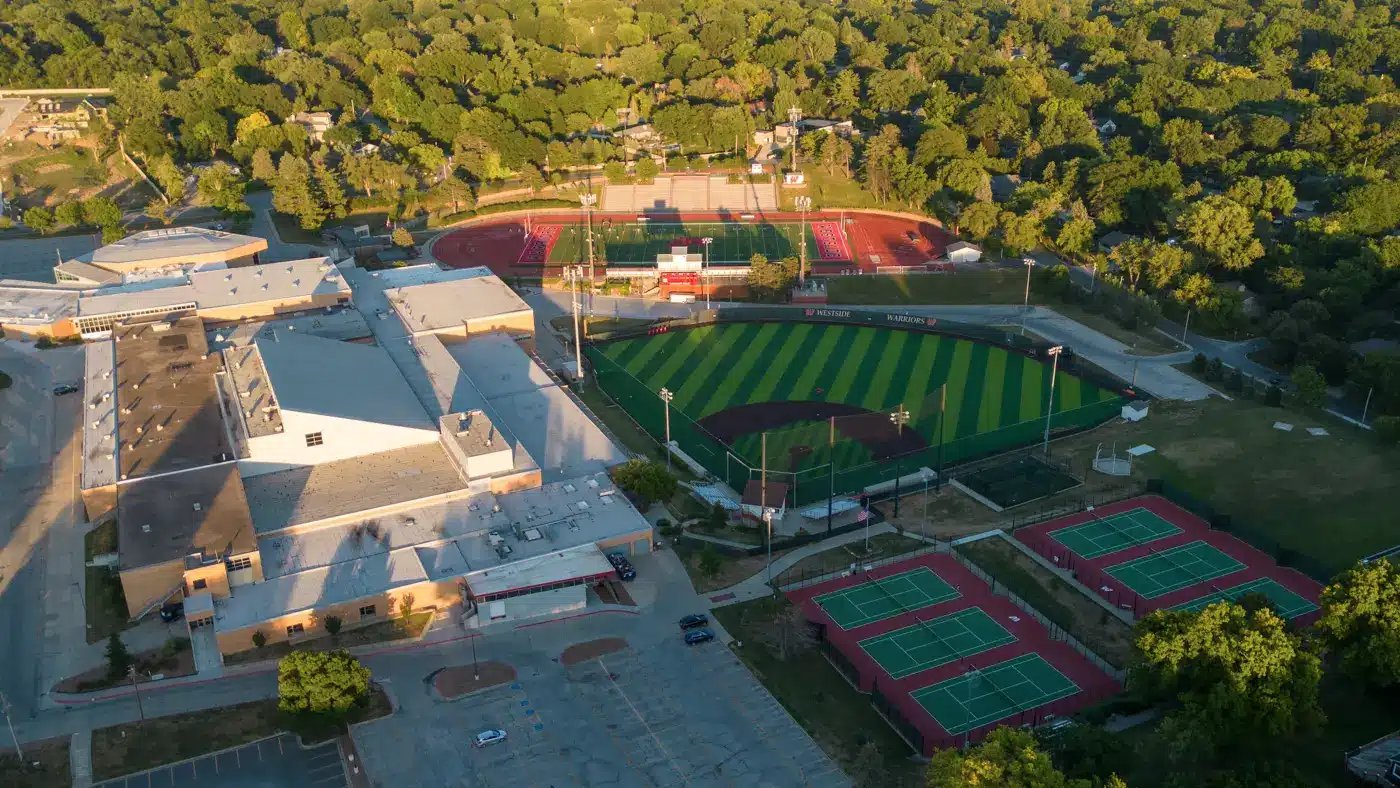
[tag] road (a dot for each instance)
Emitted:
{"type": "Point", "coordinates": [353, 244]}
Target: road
{"type": "Point", "coordinates": [261, 204]}
{"type": "Point", "coordinates": [34, 258]}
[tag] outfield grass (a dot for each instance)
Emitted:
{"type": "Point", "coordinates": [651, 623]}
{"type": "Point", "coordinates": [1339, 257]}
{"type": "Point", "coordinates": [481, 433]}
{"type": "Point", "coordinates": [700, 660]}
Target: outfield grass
{"type": "Point", "coordinates": [640, 243]}
{"type": "Point", "coordinates": [971, 287]}
{"type": "Point", "coordinates": [712, 368]}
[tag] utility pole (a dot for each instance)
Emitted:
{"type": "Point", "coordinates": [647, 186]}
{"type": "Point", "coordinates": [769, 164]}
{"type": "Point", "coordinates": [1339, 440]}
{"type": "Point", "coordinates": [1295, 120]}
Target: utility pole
{"type": "Point", "coordinates": [588, 200]}
{"type": "Point", "coordinates": [923, 521]}
{"type": "Point", "coordinates": [705, 267]}
{"type": "Point", "coordinates": [942, 412]}
{"type": "Point", "coordinates": [830, 474]}
{"type": "Point", "coordinates": [804, 204]}
{"type": "Point", "coordinates": [140, 709]}
{"type": "Point", "coordinates": [666, 397]}
{"type": "Point", "coordinates": [899, 418]}
{"type": "Point", "coordinates": [1026, 306]}
{"type": "Point", "coordinates": [1186, 329]}
{"type": "Point", "coordinates": [763, 501]}
{"type": "Point", "coordinates": [476, 671]}
{"type": "Point", "coordinates": [574, 272]}
{"type": "Point", "coordinates": [1050, 408]}
{"type": "Point", "coordinates": [794, 115]}
{"type": "Point", "coordinates": [5, 708]}
{"type": "Point", "coordinates": [1365, 409]}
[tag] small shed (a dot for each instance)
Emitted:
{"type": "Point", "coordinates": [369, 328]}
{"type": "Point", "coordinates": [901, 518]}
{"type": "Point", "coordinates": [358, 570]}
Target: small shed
{"type": "Point", "coordinates": [964, 252]}
{"type": "Point", "coordinates": [1135, 410]}
{"type": "Point", "coordinates": [754, 500]}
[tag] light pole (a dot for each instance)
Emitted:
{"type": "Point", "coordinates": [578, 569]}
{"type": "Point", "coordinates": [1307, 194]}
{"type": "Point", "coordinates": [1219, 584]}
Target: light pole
{"type": "Point", "coordinates": [705, 267]}
{"type": "Point", "coordinates": [588, 200]}
{"type": "Point", "coordinates": [5, 708]}
{"type": "Point", "coordinates": [1050, 408]}
{"type": "Point", "coordinates": [574, 273]}
{"type": "Point", "coordinates": [899, 418]}
{"type": "Point", "coordinates": [1365, 409]}
{"type": "Point", "coordinates": [804, 204]}
{"type": "Point", "coordinates": [923, 521]}
{"type": "Point", "coordinates": [1026, 305]}
{"type": "Point", "coordinates": [794, 115]}
{"type": "Point", "coordinates": [1186, 329]}
{"type": "Point", "coordinates": [666, 397]}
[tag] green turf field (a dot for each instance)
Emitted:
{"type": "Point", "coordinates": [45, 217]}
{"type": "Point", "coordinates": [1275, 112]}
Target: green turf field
{"type": "Point", "coordinates": [1288, 604]}
{"type": "Point", "coordinates": [939, 641]}
{"type": "Point", "coordinates": [1104, 535]}
{"type": "Point", "coordinates": [874, 600]}
{"type": "Point", "coordinates": [638, 243]}
{"type": "Point", "coordinates": [1171, 570]}
{"type": "Point", "coordinates": [1000, 691]}
{"type": "Point", "coordinates": [712, 368]}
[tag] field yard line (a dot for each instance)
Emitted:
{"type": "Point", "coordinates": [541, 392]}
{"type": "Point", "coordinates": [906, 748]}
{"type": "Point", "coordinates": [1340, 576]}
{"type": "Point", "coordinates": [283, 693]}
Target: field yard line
{"type": "Point", "coordinates": [846, 376]}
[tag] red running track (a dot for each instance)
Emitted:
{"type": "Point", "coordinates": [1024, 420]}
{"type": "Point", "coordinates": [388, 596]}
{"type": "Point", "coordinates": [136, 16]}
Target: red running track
{"type": "Point", "coordinates": [871, 242]}
{"type": "Point", "coordinates": [1031, 637]}
{"type": "Point", "coordinates": [1092, 572]}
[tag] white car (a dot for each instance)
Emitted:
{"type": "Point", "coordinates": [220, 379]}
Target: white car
{"type": "Point", "coordinates": [488, 737]}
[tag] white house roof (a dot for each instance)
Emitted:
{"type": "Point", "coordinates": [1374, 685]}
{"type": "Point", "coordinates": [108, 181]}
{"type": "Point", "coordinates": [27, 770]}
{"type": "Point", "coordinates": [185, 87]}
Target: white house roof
{"type": "Point", "coordinates": [958, 246]}
{"type": "Point", "coordinates": [309, 374]}
{"type": "Point", "coordinates": [557, 567]}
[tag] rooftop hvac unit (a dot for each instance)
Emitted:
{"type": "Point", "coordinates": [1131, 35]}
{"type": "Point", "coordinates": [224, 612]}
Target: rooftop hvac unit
{"type": "Point", "coordinates": [198, 508]}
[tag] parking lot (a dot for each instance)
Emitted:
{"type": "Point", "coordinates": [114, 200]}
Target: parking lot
{"type": "Point", "coordinates": [275, 762]}
{"type": "Point", "coordinates": [666, 714]}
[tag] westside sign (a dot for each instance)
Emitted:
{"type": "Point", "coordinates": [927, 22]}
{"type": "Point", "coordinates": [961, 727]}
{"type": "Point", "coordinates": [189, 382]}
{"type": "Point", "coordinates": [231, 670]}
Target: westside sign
{"type": "Point", "coordinates": [839, 314]}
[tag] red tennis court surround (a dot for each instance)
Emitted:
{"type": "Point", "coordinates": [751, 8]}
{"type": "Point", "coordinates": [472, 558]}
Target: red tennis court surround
{"type": "Point", "coordinates": [893, 696]}
{"type": "Point", "coordinates": [1093, 572]}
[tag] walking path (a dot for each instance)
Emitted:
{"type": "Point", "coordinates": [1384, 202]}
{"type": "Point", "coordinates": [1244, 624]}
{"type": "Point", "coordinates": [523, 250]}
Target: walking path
{"type": "Point", "coordinates": [80, 758]}
{"type": "Point", "coordinates": [757, 586]}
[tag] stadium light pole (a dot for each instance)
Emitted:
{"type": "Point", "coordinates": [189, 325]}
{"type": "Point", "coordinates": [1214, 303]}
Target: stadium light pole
{"type": "Point", "coordinates": [588, 200]}
{"type": "Point", "coordinates": [705, 267]}
{"type": "Point", "coordinates": [666, 397]}
{"type": "Point", "coordinates": [923, 521]}
{"type": "Point", "coordinates": [574, 272]}
{"type": "Point", "coordinates": [1050, 407]}
{"type": "Point", "coordinates": [1026, 305]}
{"type": "Point", "coordinates": [804, 204]}
{"type": "Point", "coordinates": [794, 115]}
{"type": "Point", "coordinates": [5, 708]}
{"type": "Point", "coordinates": [899, 418]}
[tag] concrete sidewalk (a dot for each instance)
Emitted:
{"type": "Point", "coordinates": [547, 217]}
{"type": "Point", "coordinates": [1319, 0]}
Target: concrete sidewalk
{"type": "Point", "coordinates": [757, 586]}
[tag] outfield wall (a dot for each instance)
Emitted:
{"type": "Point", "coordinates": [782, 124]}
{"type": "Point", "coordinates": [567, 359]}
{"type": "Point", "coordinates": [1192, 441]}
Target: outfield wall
{"type": "Point", "coordinates": [815, 484]}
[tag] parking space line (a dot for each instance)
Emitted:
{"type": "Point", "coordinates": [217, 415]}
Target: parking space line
{"type": "Point", "coordinates": [642, 720]}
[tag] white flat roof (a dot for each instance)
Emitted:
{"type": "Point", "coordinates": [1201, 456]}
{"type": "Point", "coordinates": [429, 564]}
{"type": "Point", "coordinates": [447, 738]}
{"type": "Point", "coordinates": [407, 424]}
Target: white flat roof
{"type": "Point", "coordinates": [497, 365]}
{"type": "Point", "coordinates": [451, 304]}
{"type": "Point", "coordinates": [169, 243]}
{"type": "Point", "coordinates": [413, 275]}
{"type": "Point", "coordinates": [318, 588]}
{"type": "Point", "coordinates": [36, 305]}
{"type": "Point", "coordinates": [226, 287]}
{"type": "Point", "coordinates": [99, 414]}
{"type": "Point", "coordinates": [540, 571]}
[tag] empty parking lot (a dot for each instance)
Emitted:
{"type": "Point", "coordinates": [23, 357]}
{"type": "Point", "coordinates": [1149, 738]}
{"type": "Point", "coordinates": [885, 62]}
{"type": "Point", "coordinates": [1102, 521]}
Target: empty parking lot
{"type": "Point", "coordinates": [277, 761]}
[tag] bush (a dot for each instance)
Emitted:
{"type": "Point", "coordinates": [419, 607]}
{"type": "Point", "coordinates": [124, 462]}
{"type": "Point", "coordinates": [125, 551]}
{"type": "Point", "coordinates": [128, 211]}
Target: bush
{"type": "Point", "coordinates": [119, 660]}
{"type": "Point", "coordinates": [259, 639]}
{"type": "Point", "coordinates": [333, 624]}
{"type": "Point", "coordinates": [319, 689]}
{"type": "Point", "coordinates": [1387, 429]}
{"type": "Point", "coordinates": [662, 522]}
{"type": "Point", "coordinates": [1234, 381]}
{"type": "Point", "coordinates": [1215, 370]}
{"type": "Point", "coordinates": [646, 480]}
{"type": "Point", "coordinates": [1273, 396]}
{"type": "Point", "coordinates": [1198, 363]}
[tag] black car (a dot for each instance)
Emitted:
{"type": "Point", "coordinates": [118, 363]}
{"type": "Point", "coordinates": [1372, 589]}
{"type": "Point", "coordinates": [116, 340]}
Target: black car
{"type": "Point", "coordinates": [694, 620]}
{"type": "Point", "coordinates": [698, 636]}
{"type": "Point", "coordinates": [626, 572]}
{"type": "Point", "coordinates": [67, 388]}
{"type": "Point", "coordinates": [172, 612]}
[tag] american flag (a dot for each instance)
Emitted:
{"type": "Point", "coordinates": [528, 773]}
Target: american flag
{"type": "Point", "coordinates": [863, 516]}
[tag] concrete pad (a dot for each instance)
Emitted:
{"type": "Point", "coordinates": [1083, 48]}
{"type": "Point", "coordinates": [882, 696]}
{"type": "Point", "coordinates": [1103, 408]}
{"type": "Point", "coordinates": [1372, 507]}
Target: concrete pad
{"type": "Point", "coordinates": [1318, 432]}
{"type": "Point", "coordinates": [1283, 426]}
{"type": "Point", "coordinates": [1141, 449]}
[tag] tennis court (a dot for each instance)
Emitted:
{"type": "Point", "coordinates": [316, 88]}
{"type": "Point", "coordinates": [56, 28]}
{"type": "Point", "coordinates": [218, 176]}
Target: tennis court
{"type": "Point", "coordinates": [929, 644]}
{"type": "Point", "coordinates": [1172, 570]}
{"type": "Point", "coordinates": [874, 600]}
{"type": "Point", "coordinates": [1104, 535]}
{"type": "Point", "coordinates": [984, 696]}
{"type": "Point", "coordinates": [1288, 604]}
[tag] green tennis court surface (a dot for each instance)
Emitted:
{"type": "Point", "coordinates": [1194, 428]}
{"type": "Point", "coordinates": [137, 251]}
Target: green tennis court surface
{"type": "Point", "coordinates": [1171, 570]}
{"type": "Point", "coordinates": [985, 696]}
{"type": "Point", "coordinates": [874, 600]}
{"type": "Point", "coordinates": [929, 644]}
{"type": "Point", "coordinates": [1104, 535]}
{"type": "Point", "coordinates": [1288, 604]}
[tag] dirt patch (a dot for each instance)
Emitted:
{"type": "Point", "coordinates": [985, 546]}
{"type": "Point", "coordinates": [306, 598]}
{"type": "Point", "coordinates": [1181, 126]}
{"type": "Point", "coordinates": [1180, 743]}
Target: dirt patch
{"type": "Point", "coordinates": [45, 764]}
{"type": "Point", "coordinates": [591, 649]}
{"type": "Point", "coordinates": [1104, 633]}
{"type": "Point", "coordinates": [167, 662]}
{"type": "Point", "coordinates": [872, 429]}
{"type": "Point", "coordinates": [455, 682]}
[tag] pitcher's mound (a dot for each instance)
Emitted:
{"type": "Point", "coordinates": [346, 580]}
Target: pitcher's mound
{"type": "Point", "coordinates": [592, 649]}
{"type": "Point", "coordinates": [452, 683]}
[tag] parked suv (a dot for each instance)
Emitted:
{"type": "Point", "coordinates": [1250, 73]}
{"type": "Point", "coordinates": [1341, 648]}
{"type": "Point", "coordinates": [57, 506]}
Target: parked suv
{"type": "Point", "coordinates": [694, 620]}
{"type": "Point", "coordinates": [623, 566]}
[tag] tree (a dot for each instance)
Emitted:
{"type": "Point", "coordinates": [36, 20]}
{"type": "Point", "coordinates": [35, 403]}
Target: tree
{"type": "Point", "coordinates": [102, 212]}
{"type": "Point", "coordinates": [119, 660]}
{"type": "Point", "coordinates": [771, 280]}
{"type": "Point", "coordinates": [221, 188]}
{"type": "Point", "coordinates": [1157, 263]}
{"type": "Point", "coordinates": [647, 480]}
{"type": "Point", "coordinates": [402, 238]}
{"type": "Point", "coordinates": [979, 220]}
{"type": "Point", "coordinates": [321, 687]}
{"type": "Point", "coordinates": [1007, 758]}
{"type": "Point", "coordinates": [159, 210]}
{"type": "Point", "coordinates": [68, 214]}
{"type": "Point", "coordinates": [39, 219]}
{"type": "Point", "coordinates": [709, 562]}
{"type": "Point", "coordinates": [1360, 622]}
{"type": "Point", "coordinates": [328, 188]}
{"type": "Point", "coordinates": [718, 517]}
{"type": "Point", "coordinates": [789, 633]}
{"type": "Point", "coordinates": [646, 168]}
{"type": "Point", "coordinates": [332, 625]}
{"type": "Point", "coordinates": [1242, 679]}
{"type": "Point", "coordinates": [170, 177]}
{"type": "Point", "coordinates": [1223, 231]}
{"type": "Point", "coordinates": [292, 193]}
{"type": "Point", "coordinates": [262, 167]}
{"type": "Point", "coordinates": [868, 768]}
{"type": "Point", "coordinates": [1309, 386]}
{"type": "Point", "coordinates": [259, 639]}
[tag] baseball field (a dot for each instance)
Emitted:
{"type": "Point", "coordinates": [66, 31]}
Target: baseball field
{"type": "Point", "coordinates": [737, 380]}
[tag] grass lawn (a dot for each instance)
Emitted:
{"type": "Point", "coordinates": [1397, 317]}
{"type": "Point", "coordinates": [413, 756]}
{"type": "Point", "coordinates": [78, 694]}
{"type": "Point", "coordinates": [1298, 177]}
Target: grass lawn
{"type": "Point", "coordinates": [291, 232]}
{"type": "Point", "coordinates": [837, 717]}
{"type": "Point", "coordinates": [634, 243]}
{"type": "Point", "coordinates": [564, 324]}
{"type": "Point", "coordinates": [100, 540]}
{"type": "Point", "coordinates": [619, 423]}
{"type": "Point", "coordinates": [105, 601]}
{"type": "Point", "coordinates": [1103, 633]}
{"type": "Point", "coordinates": [378, 632]}
{"type": "Point", "coordinates": [830, 191]}
{"type": "Point", "coordinates": [732, 568]}
{"type": "Point", "coordinates": [45, 765]}
{"type": "Point", "coordinates": [138, 746]}
{"type": "Point", "coordinates": [835, 559]}
{"type": "Point", "coordinates": [56, 174]}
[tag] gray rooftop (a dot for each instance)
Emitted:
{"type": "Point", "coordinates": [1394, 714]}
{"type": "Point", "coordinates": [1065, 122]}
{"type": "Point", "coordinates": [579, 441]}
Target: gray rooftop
{"type": "Point", "coordinates": [168, 518]}
{"type": "Point", "coordinates": [227, 287]}
{"type": "Point", "coordinates": [298, 496]}
{"type": "Point", "coordinates": [497, 365]}
{"type": "Point", "coordinates": [171, 243]}
{"type": "Point", "coordinates": [452, 304]}
{"type": "Point", "coordinates": [36, 305]}
{"type": "Point", "coordinates": [99, 414]}
{"type": "Point", "coordinates": [339, 323]}
{"type": "Point", "coordinates": [86, 273]}
{"type": "Point", "coordinates": [251, 392]}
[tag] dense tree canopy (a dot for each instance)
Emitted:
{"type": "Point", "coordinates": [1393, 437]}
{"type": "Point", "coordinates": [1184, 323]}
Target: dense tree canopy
{"type": "Point", "coordinates": [1360, 622]}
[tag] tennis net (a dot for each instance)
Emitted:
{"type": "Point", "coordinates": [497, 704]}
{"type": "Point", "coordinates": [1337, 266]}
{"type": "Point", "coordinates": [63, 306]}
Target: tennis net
{"type": "Point", "coordinates": [927, 627]}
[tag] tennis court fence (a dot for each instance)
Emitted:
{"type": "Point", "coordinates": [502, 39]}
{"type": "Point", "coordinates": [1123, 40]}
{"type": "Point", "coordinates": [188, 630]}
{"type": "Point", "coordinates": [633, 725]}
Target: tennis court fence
{"type": "Point", "coordinates": [1056, 631]}
{"type": "Point", "coordinates": [834, 566]}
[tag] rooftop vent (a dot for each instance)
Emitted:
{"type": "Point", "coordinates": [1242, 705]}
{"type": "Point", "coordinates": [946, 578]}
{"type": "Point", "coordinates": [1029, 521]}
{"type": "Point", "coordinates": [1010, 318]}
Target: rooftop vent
{"type": "Point", "coordinates": [198, 508]}
{"type": "Point", "coordinates": [146, 528]}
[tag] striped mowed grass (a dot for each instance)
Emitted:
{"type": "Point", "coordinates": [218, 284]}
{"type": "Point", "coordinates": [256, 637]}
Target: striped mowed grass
{"type": "Point", "coordinates": [712, 368]}
{"type": "Point", "coordinates": [638, 243]}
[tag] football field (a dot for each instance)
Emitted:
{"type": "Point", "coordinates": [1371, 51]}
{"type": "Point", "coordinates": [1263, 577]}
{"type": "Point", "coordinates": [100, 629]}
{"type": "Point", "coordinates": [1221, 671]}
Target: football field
{"type": "Point", "coordinates": [638, 243]}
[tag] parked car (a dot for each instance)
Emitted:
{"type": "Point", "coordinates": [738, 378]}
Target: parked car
{"type": "Point", "coordinates": [66, 388]}
{"type": "Point", "coordinates": [694, 620]}
{"type": "Point", "coordinates": [489, 737]}
{"type": "Point", "coordinates": [173, 611]}
{"type": "Point", "coordinates": [623, 566]}
{"type": "Point", "coordinates": [698, 636]}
